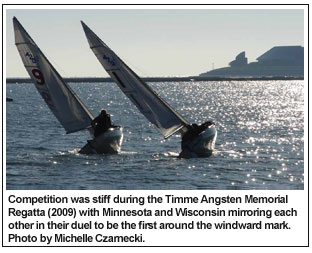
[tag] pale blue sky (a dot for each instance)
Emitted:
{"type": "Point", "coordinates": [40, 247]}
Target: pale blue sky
{"type": "Point", "coordinates": [153, 42]}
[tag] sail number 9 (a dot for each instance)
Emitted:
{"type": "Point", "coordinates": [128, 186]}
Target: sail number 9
{"type": "Point", "coordinates": [38, 75]}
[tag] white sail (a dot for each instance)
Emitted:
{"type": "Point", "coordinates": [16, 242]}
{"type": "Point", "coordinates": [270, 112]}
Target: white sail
{"type": "Point", "coordinates": [62, 101]}
{"type": "Point", "coordinates": [155, 109]}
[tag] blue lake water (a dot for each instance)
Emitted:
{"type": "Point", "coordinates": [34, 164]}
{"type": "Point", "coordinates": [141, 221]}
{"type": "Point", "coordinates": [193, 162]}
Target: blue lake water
{"type": "Point", "coordinates": [260, 142]}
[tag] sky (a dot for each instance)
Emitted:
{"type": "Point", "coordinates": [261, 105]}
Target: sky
{"type": "Point", "coordinates": [153, 42]}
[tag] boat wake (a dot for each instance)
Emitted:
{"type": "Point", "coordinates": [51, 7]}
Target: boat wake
{"type": "Point", "coordinates": [125, 152]}
{"type": "Point", "coordinates": [76, 152]}
{"type": "Point", "coordinates": [166, 155]}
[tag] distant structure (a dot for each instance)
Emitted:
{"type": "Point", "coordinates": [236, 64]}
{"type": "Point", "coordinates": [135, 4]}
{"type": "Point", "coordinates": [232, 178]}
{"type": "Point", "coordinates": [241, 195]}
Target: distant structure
{"type": "Point", "coordinates": [282, 56]}
{"type": "Point", "coordinates": [239, 61]}
{"type": "Point", "coordinates": [281, 61]}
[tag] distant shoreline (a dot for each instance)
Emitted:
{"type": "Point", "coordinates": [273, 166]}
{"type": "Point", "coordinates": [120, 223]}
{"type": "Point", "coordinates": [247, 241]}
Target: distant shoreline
{"type": "Point", "coordinates": [161, 79]}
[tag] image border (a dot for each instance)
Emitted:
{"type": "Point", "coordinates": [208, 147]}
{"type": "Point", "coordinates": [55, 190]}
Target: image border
{"type": "Point", "coordinates": [306, 117]}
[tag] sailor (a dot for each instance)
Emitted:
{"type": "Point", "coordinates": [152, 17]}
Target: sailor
{"type": "Point", "coordinates": [192, 132]}
{"type": "Point", "coordinates": [101, 123]}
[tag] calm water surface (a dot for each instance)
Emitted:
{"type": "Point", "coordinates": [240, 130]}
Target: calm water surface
{"type": "Point", "coordinates": [259, 145]}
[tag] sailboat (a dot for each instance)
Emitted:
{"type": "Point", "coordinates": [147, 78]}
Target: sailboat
{"type": "Point", "coordinates": [166, 120]}
{"type": "Point", "coordinates": [60, 98]}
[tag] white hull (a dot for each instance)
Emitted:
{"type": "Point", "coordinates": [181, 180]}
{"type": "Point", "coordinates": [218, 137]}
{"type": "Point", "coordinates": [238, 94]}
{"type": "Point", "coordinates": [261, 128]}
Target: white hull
{"type": "Point", "coordinates": [201, 146]}
{"type": "Point", "coordinates": [107, 143]}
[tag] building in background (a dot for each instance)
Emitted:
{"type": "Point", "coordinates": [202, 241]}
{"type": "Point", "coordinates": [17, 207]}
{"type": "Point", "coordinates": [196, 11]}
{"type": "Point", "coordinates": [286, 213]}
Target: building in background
{"type": "Point", "coordinates": [281, 61]}
{"type": "Point", "coordinates": [239, 61]}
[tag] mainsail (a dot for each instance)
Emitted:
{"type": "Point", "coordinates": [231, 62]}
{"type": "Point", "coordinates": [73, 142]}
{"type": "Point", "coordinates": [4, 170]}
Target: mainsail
{"type": "Point", "coordinates": [62, 101]}
{"type": "Point", "coordinates": [155, 109]}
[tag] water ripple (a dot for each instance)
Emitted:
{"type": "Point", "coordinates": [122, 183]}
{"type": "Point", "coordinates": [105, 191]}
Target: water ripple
{"type": "Point", "coordinates": [259, 146]}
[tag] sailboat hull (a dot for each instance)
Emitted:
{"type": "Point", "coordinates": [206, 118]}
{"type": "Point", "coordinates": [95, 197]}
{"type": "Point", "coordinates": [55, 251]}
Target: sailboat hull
{"type": "Point", "coordinates": [107, 143]}
{"type": "Point", "coordinates": [201, 146]}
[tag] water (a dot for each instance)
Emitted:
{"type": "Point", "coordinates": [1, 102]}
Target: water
{"type": "Point", "coordinates": [259, 145]}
